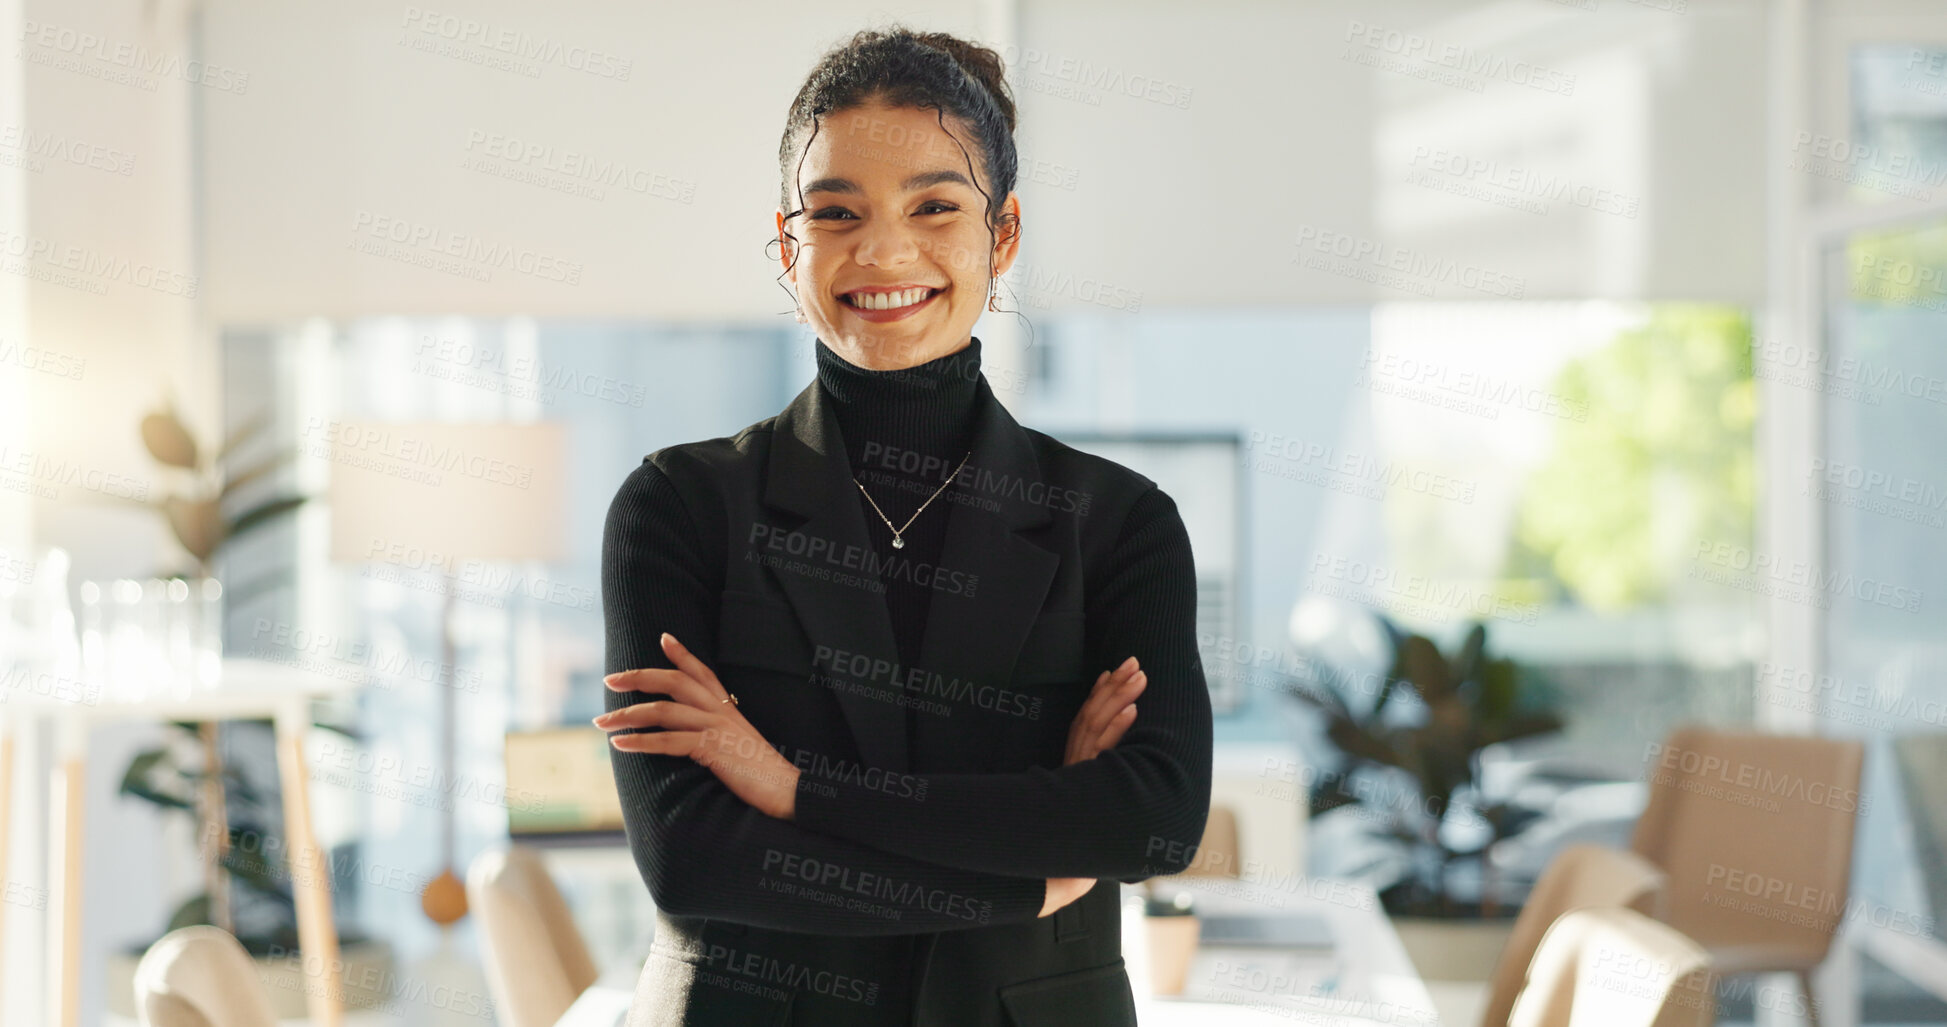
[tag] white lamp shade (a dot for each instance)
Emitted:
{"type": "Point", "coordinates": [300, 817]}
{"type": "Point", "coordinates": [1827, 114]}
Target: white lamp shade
{"type": "Point", "coordinates": [413, 493]}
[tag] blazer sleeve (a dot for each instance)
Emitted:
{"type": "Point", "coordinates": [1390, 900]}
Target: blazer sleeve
{"type": "Point", "coordinates": [701, 849]}
{"type": "Point", "coordinates": [1134, 811]}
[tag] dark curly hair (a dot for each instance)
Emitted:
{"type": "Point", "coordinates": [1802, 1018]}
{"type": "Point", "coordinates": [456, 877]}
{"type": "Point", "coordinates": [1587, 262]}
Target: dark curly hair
{"type": "Point", "coordinates": [922, 70]}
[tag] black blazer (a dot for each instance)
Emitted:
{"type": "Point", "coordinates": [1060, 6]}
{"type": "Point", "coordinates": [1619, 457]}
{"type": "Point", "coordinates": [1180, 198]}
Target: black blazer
{"type": "Point", "coordinates": [907, 888]}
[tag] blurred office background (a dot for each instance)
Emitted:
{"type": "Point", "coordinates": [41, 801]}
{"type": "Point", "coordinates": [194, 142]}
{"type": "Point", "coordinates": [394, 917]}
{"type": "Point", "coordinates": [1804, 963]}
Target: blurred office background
{"type": "Point", "coordinates": [1614, 326]}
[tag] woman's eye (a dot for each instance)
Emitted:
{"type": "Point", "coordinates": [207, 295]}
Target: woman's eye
{"type": "Point", "coordinates": [840, 213]}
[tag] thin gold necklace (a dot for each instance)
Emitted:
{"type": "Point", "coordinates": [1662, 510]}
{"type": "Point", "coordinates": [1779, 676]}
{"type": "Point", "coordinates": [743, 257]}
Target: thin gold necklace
{"type": "Point", "coordinates": [897, 541]}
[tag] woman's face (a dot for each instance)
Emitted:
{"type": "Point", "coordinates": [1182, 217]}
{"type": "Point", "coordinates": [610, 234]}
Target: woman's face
{"type": "Point", "coordinates": [890, 218]}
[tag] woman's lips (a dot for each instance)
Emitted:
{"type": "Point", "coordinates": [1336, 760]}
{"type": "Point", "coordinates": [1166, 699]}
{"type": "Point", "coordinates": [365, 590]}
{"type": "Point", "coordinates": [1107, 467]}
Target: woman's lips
{"type": "Point", "coordinates": [893, 314]}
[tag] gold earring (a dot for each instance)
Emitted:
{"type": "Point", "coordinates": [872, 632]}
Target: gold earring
{"type": "Point", "coordinates": [993, 294]}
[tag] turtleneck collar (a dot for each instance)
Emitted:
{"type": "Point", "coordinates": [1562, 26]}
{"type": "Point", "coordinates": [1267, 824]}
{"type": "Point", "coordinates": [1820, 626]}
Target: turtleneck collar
{"type": "Point", "coordinates": [927, 408]}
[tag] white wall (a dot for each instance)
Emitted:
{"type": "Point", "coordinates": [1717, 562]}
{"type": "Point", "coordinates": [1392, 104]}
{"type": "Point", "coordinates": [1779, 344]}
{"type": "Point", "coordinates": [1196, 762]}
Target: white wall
{"type": "Point", "coordinates": [1197, 205]}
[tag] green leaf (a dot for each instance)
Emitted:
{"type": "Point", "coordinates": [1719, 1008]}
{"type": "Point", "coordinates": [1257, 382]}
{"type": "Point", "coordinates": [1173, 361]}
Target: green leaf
{"type": "Point", "coordinates": [256, 471]}
{"type": "Point", "coordinates": [195, 910]}
{"type": "Point", "coordinates": [262, 513]}
{"type": "Point", "coordinates": [243, 433]}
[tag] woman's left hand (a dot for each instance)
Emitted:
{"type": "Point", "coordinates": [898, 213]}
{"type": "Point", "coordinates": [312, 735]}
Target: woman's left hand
{"type": "Point", "coordinates": [698, 723]}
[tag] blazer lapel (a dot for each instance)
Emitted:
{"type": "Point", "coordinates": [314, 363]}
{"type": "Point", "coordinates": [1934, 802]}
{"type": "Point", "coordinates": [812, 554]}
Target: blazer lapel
{"type": "Point", "coordinates": [810, 475]}
{"type": "Point", "coordinates": [975, 634]}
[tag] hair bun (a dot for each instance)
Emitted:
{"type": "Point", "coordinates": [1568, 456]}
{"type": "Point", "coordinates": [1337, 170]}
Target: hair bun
{"type": "Point", "coordinates": [980, 63]}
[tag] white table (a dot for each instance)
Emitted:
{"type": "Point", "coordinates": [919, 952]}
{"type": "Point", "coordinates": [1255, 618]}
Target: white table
{"type": "Point", "coordinates": [245, 689]}
{"type": "Point", "coordinates": [1367, 979]}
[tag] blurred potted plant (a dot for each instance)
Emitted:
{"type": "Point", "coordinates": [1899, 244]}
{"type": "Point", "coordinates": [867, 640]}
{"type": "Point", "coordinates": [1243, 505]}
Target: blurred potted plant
{"type": "Point", "coordinates": [197, 519]}
{"type": "Point", "coordinates": [1408, 767]}
{"type": "Point", "coordinates": [187, 773]}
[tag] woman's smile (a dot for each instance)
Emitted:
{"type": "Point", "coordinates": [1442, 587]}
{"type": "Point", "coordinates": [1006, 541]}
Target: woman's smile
{"type": "Point", "coordinates": [879, 306]}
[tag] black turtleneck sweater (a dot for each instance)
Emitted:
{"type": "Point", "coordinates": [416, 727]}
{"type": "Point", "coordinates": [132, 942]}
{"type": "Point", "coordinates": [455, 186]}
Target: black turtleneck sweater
{"type": "Point", "coordinates": [905, 431]}
{"type": "Point", "coordinates": [662, 570]}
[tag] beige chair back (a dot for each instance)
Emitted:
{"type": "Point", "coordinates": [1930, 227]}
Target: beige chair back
{"type": "Point", "coordinates": [1217, 853]}
{"type": "Point", "coordinates": [1615, 967]}
{"type": "Point", "coordinates": [537, 962]}
{"type": "Point", "coordinates": [200, 976]}
{"type": "Point", "coordinates": [1579, 876]}
{"type": "Point", "coordinates": [1754, 832]}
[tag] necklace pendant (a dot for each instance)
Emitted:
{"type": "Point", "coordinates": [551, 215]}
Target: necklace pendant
{"type": "Point", "coordinates": [898, 543]}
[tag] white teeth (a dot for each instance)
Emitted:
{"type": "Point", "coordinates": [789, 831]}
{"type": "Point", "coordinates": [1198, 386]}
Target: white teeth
{"type": "Point", "coordinates": [888, 300]}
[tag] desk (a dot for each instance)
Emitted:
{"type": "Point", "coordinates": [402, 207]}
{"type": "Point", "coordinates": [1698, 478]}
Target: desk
{"type": "Point", "coordinates": [1371, 979]}
{"type": "Point", "coordinates": [1366, 979]}
{"type": "Point", "coordinates": [246, 689]}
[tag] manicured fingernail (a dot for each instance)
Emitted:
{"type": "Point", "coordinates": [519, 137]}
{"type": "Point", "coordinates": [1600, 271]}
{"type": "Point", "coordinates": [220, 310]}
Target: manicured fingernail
{"type": "Point", "coordinates": [600, 721]}
{"type": "Point", "coordinates": [615, 740]}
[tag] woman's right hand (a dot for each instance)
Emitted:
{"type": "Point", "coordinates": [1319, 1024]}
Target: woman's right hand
{"type": "Point", "coordinates": [1107, 712]}
{"type": "Point", "coordinates": [1104, 718]}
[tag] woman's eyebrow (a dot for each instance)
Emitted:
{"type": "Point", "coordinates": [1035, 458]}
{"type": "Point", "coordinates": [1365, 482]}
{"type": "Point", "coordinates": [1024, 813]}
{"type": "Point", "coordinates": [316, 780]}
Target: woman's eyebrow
{"type": "Point", "coordinates": [919, 181]}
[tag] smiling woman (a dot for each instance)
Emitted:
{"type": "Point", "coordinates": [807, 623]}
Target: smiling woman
{"type": "Point", "coordinates": [862, 767]}
{"type": "Point", "coordinates": [902, 240]}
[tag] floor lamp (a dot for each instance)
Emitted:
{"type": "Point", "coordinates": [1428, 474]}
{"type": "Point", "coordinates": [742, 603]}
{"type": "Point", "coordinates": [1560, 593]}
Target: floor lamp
{"type": "Point", "coordinates": [442, 497]}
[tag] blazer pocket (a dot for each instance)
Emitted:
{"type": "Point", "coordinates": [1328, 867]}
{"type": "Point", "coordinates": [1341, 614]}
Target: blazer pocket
{"type": "Point", "coordinates": [1099, 996]}
{"type": "Point", "coordinates": [758, 631]}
